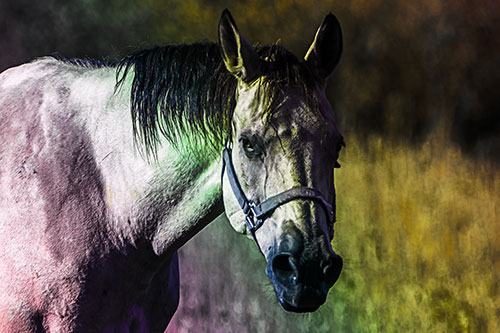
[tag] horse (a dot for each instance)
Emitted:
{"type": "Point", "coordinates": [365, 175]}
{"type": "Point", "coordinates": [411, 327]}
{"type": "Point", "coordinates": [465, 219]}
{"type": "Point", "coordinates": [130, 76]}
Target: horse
{"type": "Point", "coordinates": [107, 169]}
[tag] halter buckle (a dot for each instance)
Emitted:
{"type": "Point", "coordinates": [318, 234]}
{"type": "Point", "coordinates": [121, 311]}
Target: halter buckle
{"type": "Point", "coordinates": [252, 221]}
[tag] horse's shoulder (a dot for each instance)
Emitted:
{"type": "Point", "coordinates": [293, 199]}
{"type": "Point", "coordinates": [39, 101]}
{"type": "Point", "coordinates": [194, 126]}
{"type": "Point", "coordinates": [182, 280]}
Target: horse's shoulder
{"type": "Point", "coordinates": [49, 163]}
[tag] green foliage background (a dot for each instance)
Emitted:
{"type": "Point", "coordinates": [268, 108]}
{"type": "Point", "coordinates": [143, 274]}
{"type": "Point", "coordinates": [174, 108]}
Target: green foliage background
{"type": "Point", "coordinates": [416, 96]}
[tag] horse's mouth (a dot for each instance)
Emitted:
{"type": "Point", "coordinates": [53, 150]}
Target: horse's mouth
{"type": "Point", "coordinates": [292, 308]}
{"type": "Point", "coordinates": [300, 299]}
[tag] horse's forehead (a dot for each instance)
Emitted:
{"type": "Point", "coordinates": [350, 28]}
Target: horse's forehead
{"type": "Point", "coordinates": [292, 112]}
{"type": "Point", "coordinates": [250, 107]}
{"type": "Point", "coordinates": [302, 122]}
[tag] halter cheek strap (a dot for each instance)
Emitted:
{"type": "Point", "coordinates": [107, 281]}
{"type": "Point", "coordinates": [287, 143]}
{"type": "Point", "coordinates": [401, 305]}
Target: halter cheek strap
{"type": "Point", "coordinates": [255, 213]}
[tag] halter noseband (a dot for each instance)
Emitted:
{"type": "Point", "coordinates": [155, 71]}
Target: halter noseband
{"type": "Point", "coordinates": [255, 213]}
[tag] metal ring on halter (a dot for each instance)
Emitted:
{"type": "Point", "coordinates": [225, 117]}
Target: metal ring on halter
{"type": "Point", "coordinates": [252, 221]}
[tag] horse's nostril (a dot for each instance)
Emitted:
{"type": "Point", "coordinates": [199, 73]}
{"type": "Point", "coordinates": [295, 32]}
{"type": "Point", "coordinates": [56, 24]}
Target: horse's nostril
{"type": "Point", "coordinates": [285, 269]}
{"type": "Point", "coordinates": [332, 270]}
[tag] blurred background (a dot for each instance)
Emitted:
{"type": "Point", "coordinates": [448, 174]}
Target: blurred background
{"type": "Point", "coordinates": [416, 96]}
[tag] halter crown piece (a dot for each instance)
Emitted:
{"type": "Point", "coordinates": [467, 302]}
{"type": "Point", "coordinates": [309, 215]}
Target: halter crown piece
{"type": "Point", "coordinates": [257, 213]}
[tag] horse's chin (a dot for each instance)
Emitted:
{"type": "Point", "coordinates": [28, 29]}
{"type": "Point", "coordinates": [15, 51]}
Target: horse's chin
{"type": "Point", "coordinates": [292, 308]}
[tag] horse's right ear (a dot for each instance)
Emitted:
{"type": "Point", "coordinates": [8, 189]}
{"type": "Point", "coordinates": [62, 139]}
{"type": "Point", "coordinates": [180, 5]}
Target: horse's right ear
{"type": "Point", "coordinates": [238, 54]}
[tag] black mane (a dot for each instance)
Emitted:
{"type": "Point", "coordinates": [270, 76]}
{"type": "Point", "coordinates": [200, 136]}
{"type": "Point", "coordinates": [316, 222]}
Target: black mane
{"type": "Point", "coordinates": [179, 89]}
{"type": "Point", "coordinates": [186, 90]}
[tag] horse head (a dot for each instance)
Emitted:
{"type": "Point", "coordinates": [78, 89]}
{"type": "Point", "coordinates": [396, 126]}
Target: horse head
{"type": "Point", "coordinates": [283, 146]}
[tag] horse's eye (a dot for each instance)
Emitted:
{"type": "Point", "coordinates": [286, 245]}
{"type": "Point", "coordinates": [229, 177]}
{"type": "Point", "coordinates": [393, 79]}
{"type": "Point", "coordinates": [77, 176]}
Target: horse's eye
{"type": "Point", "coordinates": [248, 147]}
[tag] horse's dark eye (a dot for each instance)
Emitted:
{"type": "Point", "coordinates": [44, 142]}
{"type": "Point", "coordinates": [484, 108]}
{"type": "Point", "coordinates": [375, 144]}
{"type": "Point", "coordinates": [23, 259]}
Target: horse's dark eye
{"type": "Point", "coordinates": [248, 147]}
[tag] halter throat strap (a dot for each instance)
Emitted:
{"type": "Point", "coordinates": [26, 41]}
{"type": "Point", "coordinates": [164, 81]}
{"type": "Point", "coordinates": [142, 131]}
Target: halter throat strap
{"type": "Point", "coordinates": [257, 213]}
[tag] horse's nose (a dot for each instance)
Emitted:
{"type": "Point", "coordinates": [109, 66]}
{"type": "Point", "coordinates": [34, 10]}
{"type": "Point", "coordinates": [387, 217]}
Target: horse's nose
{"type": "Point", "coordinates": [284, 268]}
{"type": "Point", "coordinates": [302, 273]}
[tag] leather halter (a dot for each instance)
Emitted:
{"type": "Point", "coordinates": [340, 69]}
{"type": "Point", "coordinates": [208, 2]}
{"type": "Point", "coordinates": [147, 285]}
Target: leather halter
{"type": "Point", "coordinates": [257, 213]}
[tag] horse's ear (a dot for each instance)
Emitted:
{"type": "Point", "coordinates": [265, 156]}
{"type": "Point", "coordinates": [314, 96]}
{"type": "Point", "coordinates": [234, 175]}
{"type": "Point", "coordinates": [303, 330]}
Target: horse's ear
{"type": "Point", "coordinates": [238, 54]}
{"type": "Point", "coordinates": [324, 52]}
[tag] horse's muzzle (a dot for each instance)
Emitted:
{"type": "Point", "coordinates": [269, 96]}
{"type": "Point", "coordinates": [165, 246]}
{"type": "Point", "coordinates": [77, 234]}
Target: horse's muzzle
{"type": "Point", "coordinates": [302, 284]}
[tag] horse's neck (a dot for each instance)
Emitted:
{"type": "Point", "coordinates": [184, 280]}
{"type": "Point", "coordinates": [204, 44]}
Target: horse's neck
{"type": "Point", "coordinates": [187, 194]}
{"type": "Point", "coordinates": [164, 202]}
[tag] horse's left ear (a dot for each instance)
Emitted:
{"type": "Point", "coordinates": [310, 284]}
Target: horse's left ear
{"type": "Point", "coordinates": [238, 54]}
{"type": "Point", "coordinates": [324, 52]}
